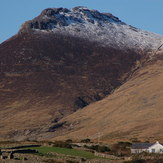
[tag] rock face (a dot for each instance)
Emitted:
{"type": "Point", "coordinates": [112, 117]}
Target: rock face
{"type": "Point", "coordinates": [62, 61]}
{"type": "Point", "coordinates": [52, 18]}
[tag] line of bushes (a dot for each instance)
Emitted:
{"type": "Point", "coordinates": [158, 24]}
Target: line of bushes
{"type": "Point", "coordinates": [62, 144]}
{"type": "Point", "coordinates": [98, 148]}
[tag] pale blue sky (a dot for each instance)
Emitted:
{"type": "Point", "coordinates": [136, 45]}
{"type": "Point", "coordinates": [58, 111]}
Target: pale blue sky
{"type": "Point", "coordinates": [144, 14]}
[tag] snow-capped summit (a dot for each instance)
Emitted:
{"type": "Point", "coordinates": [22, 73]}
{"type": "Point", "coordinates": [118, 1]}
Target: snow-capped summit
{"type": "Point", "coordinates": [57, 17]}
{"type": "Point", "coordinates": [94, 26]}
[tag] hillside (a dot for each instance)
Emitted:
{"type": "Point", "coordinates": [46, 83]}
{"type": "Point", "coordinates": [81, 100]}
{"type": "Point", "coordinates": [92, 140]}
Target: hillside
{"type": "Point", "coordinates": [134, 110]}
{"type": "Point", "coordinates": [56, 65]}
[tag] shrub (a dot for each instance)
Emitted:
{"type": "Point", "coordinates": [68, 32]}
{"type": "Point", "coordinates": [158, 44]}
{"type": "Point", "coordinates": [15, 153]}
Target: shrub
{"type": "Point", "coordinates": [121, 149]}
{"type": "Point", "coordinates": [62, 144]}
{"type": "Point", "coordinates": [52, 161]}
{"type": "Point", "coordinates": [71, 161]}
{"type": "Point", "coordinates": [98, 148]}
{"type": "Point", "coordinates": [69, 141]}
{"type": "Point", "coordinates": [145, 161]}
{"type": "Point", "coordinates": [136, 161]}
{"type": "Point", "coordinates": [85, 141]}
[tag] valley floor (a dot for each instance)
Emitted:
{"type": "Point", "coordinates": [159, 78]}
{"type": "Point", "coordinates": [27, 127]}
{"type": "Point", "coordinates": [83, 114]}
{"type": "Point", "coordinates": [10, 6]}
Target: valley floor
{"type": "Point", "coordinates": [72, 152]}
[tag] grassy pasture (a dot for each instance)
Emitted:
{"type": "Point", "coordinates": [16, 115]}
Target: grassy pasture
{"type": "Point", "coordinates": [65, 151]}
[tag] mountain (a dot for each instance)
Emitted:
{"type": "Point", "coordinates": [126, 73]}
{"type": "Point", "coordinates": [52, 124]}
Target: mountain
{"type": "Point", "coordinates": [61, 62]}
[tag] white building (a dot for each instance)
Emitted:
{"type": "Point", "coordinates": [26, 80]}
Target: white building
{"type": "Point", "coordinates": [147, 147]}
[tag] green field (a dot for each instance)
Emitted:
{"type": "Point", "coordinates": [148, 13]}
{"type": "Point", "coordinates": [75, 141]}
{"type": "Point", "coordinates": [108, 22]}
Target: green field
{"type": "Point", "coordinates": [65, 151]}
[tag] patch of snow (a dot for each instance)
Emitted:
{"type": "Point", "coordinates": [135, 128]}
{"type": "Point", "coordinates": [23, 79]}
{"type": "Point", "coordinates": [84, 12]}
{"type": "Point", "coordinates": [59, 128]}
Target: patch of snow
{"type": "Point", "coordinates": [103, 28]}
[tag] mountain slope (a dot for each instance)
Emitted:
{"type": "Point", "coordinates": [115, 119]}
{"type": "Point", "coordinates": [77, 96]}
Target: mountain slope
{"type": "Point", "coordinates": [133, 111]}
{"type": "Point", "coordinates": [57, 64]}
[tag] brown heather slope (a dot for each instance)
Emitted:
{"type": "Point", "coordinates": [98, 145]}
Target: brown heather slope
{"type": "Point", "coordinates": [44, 77]}
{"type": "Point", "coordinates": [134, 110]}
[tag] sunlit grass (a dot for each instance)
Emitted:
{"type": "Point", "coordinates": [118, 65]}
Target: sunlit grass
{"type": "Point", "coordinates": [65, 151]}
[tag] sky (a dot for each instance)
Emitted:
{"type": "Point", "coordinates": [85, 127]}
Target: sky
{"type": "Point", "coordinates": [144, 14]}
